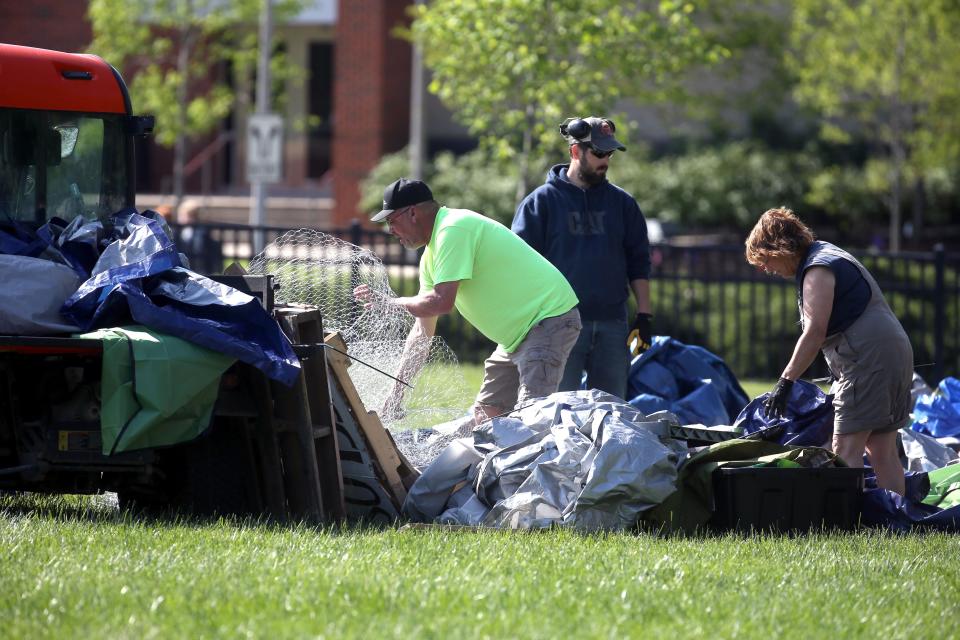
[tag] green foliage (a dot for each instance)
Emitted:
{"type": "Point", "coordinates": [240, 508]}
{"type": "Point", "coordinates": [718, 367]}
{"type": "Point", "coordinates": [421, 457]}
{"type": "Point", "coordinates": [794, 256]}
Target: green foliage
{"type": "Point", "coordinates": [713, 188]}
{"type": "Point", "coordinates": [884, 70]}
{"type": "Point", "coordinates": [512, 70]}
{"type": "Point", "coordinates": [72, 567]}
{"type": "Point", "coordinates": [853, 194]}
{"type": "Point", "coordinates": [853, 197]}
{"type": "Point", "coordinates": [469, 181]}
{"type": "Point", "coordinates": [725, 187]}
{"type": "Point", "coordinates": [722, 187]}
{"type": "Point", "coordinates": [390, 167]}
{"type": "Point", "coordinates": [886, 67]}
{"type": "Point", "coordinates": [153, 38]}
{"type": "Point", "coordinates": [751, 80]}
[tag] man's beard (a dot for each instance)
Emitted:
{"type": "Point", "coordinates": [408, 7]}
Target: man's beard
{"type": "Point", "coordinates": [589, 176]}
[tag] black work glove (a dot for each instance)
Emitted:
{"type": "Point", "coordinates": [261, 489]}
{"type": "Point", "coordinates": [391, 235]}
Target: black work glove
{"type": "Point", "coordinates": [776, 403]}
{"type": "Point", "coordinates": [640, 336]}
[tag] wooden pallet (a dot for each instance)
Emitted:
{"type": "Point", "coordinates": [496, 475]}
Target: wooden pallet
{"type": "Point", "coordinates": [309, 436]}
{"type": "Point", "coordinates": [398, 473]}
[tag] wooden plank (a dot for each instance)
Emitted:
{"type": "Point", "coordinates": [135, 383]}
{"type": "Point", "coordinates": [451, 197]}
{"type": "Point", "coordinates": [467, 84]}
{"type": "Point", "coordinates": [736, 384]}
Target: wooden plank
{"type": "Point", "coordinates": [382, 478]}
{"type": "Point", "coordinates": [310, 331]}
{"type": "Point", "coordinates": [302, 324]}
{"type": "Point", "coordinates": [300, 472]}
{"type": "Point", "coordinates": [267, 448]}
{"type": "Point", "coordinates": [381, 444]}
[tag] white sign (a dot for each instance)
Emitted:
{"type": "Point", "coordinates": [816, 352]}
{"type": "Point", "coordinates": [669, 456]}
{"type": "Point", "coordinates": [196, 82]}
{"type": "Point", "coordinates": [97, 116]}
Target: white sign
{"type": "Point", "coordinates": [265, 148]}
{"type": "Point", "coordinates": [317, 12]}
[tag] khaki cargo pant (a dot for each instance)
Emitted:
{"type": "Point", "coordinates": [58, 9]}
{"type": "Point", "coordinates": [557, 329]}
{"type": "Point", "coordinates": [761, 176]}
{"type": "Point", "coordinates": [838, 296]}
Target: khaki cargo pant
{"type": "Point", "coordinates": [533, 370]}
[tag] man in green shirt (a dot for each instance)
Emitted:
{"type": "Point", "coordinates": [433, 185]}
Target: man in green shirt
{"type": "Point", "coordinates": [508, 291]}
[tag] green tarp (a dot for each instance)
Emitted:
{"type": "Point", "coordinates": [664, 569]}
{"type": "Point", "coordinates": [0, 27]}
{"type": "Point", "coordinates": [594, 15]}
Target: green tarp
{"type": "Point", "coordinates": [156, 389]}
{"type": "Point", "coordinates": [944, 487]}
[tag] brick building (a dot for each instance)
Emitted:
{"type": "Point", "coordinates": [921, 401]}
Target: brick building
{"type": "Point", "coordinates": [371, 94]}
{"type": "Point", "coordinates": [358, 88]}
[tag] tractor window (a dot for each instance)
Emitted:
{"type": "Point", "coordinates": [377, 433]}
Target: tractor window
{"type": "Point", "coordinates": [61, 164]}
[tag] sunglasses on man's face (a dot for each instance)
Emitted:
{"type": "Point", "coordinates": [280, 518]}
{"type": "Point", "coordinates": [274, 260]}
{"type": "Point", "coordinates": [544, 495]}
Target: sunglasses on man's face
{"type": "Point", "coordinates": [600, 154]}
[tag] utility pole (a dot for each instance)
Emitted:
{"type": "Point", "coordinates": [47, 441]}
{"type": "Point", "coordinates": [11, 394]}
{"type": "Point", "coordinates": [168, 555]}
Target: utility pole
{"type": "Point", "coordinates": [417, 134]}
{"type": "Point", "coordinates": [258, 187]}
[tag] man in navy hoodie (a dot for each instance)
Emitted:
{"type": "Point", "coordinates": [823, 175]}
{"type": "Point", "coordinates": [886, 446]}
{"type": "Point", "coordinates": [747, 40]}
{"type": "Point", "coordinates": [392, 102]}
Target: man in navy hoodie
{"type": "Point", "coordinates": [594, 233]}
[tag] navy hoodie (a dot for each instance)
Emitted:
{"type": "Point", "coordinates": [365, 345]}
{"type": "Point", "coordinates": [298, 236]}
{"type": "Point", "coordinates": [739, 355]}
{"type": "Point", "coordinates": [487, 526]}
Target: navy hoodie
{"type": "Point", "coordinates": [597, 237]}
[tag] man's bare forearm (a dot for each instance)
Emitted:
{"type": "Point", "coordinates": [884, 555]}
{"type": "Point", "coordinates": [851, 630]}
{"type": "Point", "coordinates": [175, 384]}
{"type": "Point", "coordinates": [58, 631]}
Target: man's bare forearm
{"type": "Point", "coordinates": [641, 293]}
{"type": "Point", "coordinates": [423, 305]}
{"type": "Point", "coordinates": [416, 349]}
{"type": "Point", "coordinates": [430, 303]}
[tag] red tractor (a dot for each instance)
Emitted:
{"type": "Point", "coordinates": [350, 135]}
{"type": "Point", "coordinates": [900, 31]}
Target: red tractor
{"type": "Point", "coordinates": [67, 138]}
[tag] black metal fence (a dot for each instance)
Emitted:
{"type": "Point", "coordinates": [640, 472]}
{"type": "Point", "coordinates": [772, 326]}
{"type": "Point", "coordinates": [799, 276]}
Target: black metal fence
{"type": "Point", "coordinates": [710, 296]}
{"type": "Point", "coordinates": [703, 295]}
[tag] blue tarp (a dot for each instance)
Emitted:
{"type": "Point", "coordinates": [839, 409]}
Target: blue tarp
{"type": "Point", "coordinates": [693, 383]}
{"type": "Point", "coordinates": [886, 509]}
{"type": "Point", "coordinates": [938, 414]}
{"type": "Point", "coordinates": [17, 240]}
{"type": "Point", "coordinates": [134, 273]}
{"type": "Point", "coordinates": [808, 421]}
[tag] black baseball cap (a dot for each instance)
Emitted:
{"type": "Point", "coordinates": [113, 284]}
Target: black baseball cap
{"type": "Point", "coordinates": [402, 193]}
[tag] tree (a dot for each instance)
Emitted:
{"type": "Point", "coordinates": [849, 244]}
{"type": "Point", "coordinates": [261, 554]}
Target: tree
{"type": "Point", "coordinates": [512, 70]}
{"type": "Point", "coordinates": [468, 180]}
{"type": "Point", "coordinates": [886, 70]}
{"type": "Point", "coordinates": [176, 50]}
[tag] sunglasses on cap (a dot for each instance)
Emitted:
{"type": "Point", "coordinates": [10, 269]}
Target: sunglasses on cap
{"type": "Point", "coordinates": [597, 153]}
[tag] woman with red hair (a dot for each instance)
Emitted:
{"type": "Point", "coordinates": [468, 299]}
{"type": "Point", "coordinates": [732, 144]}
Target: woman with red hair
{"type": "Point", "coordinates": [843, 314]}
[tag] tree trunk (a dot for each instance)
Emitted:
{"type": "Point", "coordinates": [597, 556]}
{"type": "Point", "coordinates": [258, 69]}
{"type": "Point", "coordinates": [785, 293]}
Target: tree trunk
{"type": "Point", "coordinates": [524, 160]}
{"type": "Point", "coordinates": [919, 207]}
{"type": "Point", "coordinates": [895, 203]}
{"type": "Point", "coordinates": [187, 40]}
{"type": "Point", "coordinates": [897, 143]}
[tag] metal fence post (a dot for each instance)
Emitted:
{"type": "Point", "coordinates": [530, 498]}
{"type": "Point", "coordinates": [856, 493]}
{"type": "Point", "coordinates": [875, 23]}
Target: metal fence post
{"type": "Point", "coordinates": [356, 239]}
{"type": "Point", "coordinates": [940, 310]}
{"type": "Point", "coordinates": [356, 233]}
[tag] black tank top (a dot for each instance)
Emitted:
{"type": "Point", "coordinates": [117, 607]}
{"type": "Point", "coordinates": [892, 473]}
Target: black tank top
{"type": "Point", "coordinates": [851, 293]}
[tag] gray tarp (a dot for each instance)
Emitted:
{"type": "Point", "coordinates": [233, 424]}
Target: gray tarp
{"type": "Point", "coordinates": [581, 459]}
{"type": "Point", "coordinates": [923, 452]}
{"type": "Point", "coordinates": [33, 291]}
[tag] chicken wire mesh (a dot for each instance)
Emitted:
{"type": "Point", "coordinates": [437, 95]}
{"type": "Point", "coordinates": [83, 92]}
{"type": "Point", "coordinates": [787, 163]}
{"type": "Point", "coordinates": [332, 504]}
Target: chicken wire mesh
{"type": "Point", "coordinates": [318, 269]}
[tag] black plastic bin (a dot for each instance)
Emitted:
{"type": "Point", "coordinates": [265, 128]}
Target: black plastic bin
{"type": "Point", "coordinates": [786, 499]}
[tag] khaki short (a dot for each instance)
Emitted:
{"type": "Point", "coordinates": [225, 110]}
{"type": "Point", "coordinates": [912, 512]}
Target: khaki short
{"type": "Point", "coordinates": [534, 369]}
{"type": "Point", "coordinates": [873, 364]}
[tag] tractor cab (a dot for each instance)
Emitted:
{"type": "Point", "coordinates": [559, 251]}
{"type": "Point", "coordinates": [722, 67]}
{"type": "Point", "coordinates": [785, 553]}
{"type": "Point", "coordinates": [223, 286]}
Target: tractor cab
{"type": "Point", "coordinates": [66, 137]}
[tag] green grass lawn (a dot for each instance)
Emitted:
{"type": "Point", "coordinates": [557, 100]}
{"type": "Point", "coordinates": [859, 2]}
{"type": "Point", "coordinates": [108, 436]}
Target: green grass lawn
{"type": "Point", "coordinates": [473, 374]}
{"type": "Point", "coordinates": [77, 568]}
{"type": "Point", "coordinates": [756, 387]}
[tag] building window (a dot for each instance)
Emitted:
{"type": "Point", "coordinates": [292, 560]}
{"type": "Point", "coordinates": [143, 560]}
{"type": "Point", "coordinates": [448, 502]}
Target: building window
{"type": "Point", "coordinates": [320, 108]}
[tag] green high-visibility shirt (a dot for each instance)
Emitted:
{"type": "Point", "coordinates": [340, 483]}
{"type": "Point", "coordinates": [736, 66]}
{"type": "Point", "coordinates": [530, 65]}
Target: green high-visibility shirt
{"type": "Point", "coordinates": [505, 288]}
